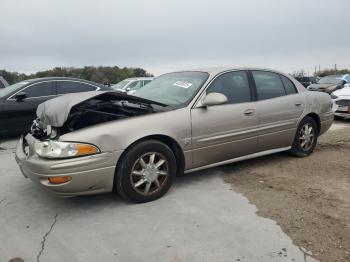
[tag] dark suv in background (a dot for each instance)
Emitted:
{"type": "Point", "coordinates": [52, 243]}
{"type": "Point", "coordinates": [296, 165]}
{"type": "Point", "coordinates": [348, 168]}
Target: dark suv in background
{"type": "Point", "coordinates": [306, 80]}
{"type": "Point", "coordinates": [18, 102]}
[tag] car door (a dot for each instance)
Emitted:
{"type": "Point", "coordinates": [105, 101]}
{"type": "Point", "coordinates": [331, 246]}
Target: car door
{"type": "Point", "coordinates": [227, 131]}
{"type": "Point", "coordinates": [20, 114]}
{"type": "Point", "coordinates": [69, 86]}
{"type": "Point", "coordinates": [279, 107]}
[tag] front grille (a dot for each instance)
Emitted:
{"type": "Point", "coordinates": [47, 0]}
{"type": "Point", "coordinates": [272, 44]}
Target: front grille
{"type": "Point", "coordinates": [343, 102]}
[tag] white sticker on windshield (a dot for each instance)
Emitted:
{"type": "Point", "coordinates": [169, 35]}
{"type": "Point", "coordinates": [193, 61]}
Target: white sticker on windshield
{"type": "Point", "coordinates": [182, 84]}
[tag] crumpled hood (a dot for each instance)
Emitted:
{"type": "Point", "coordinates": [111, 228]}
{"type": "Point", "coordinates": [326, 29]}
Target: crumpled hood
{"type": "Point", "coordinates": [55, 111]}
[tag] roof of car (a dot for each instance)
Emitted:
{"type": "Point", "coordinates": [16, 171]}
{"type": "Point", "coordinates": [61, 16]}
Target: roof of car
{"type": "Point", "coordinates": [338, 75]}
{"type": "Point", "coordinates": [217, 70]}
{"type": "Point", "coordinates": [60, 78]}
{"type": "Point", "coordinates": [139, 78]}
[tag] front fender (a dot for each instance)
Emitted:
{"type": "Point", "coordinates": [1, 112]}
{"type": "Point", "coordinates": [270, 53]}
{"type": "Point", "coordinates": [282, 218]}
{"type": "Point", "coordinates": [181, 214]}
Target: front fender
{"type": "Point", "coordinates": [119, 134]}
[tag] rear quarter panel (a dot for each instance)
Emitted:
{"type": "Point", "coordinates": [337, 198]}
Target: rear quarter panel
{"type": "Point", "coordinates": [321, 104]}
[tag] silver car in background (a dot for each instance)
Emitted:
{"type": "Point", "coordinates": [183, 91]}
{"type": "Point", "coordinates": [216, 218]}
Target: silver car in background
{"type": "Point", "coordinates": [330, 83]}
{"type": "Point", "coordinates": [180, 122]}
{"type": "Point", "coordinates": [130, 85]}
{"type": "Point", "coordinates": [3, 82]}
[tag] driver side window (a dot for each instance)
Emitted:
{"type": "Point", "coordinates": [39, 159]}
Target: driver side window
{"type": "Point", "coordinates": [234, 85]}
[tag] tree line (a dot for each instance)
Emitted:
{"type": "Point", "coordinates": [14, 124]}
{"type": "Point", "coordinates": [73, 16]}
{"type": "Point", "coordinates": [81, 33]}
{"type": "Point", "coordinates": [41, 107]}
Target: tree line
{"type": "Point", "coordinates": [327, 72]}
{"type": "Point", "coordinates": [101, 74]}
{"type": "Point", "coordinates": [322, 73]}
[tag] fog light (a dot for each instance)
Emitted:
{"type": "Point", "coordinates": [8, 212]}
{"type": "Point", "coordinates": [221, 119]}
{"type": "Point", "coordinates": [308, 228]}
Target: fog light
{"type": "Point", "coordinates": [59, 179]}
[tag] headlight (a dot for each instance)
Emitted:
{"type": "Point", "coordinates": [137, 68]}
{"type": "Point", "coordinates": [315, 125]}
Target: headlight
{"type": "Point", "coordinates": [56, 149]}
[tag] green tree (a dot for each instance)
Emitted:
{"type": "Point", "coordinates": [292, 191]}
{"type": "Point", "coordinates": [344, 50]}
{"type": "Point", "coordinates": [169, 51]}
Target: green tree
{"type": "Point", "coordinates": [101, 74]}
{"type": "Point", "coordinates": [327, 72]}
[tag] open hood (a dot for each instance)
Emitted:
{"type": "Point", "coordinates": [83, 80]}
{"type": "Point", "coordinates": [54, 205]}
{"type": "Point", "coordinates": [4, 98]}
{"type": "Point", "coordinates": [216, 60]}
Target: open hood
{"type": "Point", "coordinates": [55, 112]}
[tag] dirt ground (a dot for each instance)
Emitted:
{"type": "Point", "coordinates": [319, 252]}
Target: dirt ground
{"type": "Point", "coordinates": [308, 197]}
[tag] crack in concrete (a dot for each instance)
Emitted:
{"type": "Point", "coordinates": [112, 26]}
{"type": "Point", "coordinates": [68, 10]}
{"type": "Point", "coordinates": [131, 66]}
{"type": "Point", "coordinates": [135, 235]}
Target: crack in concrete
{"type": "Point", "coordinates": [45, 237]}
{"type": "Point", "coordinates": [306, 254]}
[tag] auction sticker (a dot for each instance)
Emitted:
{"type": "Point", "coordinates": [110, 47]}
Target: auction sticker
{"type": "Point", "coordinates": [182, 84]}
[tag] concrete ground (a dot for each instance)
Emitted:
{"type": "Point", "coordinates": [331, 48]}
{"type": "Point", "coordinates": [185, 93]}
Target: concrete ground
{"type": "Point", "coordinates": [200, 219]}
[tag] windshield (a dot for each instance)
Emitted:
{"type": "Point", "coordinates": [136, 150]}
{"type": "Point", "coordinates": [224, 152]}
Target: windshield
{"type": "Point", "coordinates": [121, 85]}
{"type": "Point", "coordinates": [12, 88]}
{"type": "Point", "coordinates": [174, 89]}
{"type": "Point", "coordinates": [330, 80]}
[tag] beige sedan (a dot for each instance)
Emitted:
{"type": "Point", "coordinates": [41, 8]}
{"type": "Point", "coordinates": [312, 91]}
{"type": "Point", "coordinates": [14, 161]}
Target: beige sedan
{"type": "Point", "coordinates": [181, 122]}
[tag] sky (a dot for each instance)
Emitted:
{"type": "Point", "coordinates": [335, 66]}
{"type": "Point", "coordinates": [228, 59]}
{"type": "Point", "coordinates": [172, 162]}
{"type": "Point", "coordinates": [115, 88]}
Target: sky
{"type": "Point", "coordinates": [167, 35]}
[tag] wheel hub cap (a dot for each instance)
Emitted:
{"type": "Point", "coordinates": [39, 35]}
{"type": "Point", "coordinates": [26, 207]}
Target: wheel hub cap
{"type": "Point", "coordinates": [307, 136]}
{"type": "Point", "coordinates": [150, 173]}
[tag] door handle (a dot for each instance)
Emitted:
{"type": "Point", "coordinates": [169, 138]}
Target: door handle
{"type": "Point", "coordinates": [249, 112]}
{"type": "Point", "coordinates": [298, 103]}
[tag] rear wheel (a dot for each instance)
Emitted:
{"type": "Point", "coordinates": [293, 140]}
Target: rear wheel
{"type": "Point", "coordinates": [146, 172]}
{"type": "Point", "coordinates": [305, 138]}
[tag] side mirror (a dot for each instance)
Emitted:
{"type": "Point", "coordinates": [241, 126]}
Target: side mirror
{"type": "Point", "coordinates": [127, 89]}
{"type": "Point", "coordinates": [213, 99]}
{"type": "Point", "coordinates": [20, 96]}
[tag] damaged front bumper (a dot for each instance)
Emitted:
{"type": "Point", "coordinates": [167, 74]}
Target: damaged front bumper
{"type": "Point", "coordinates": [89, 174]}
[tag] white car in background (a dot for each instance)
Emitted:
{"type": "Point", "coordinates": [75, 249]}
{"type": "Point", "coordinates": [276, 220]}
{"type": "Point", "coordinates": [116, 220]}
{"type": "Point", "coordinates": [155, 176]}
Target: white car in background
{"type": "Point", "coordinates": [3, 82]}
{"type": "Point", "coordinates": [341, 102]}
{"type": "Point", "coordinates": [130, 85]}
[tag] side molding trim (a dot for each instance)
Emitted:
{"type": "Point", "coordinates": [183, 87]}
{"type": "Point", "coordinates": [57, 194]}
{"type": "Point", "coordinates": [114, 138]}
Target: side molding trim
{"type": "Point", "coordinates": [237, 159]}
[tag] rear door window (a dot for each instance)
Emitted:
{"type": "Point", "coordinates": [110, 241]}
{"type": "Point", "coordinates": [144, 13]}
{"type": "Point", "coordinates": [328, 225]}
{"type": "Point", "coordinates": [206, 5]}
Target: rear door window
{"type": "Point", "coordinates": [268, 85]}
{"type": "Point", "coordinates": [66, 87]}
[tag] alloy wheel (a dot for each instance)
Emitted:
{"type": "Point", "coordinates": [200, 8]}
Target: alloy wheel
{"type": "Point", "coordinates": [306, 137]}
{"type": "Point", "coordinates": [149, 173]}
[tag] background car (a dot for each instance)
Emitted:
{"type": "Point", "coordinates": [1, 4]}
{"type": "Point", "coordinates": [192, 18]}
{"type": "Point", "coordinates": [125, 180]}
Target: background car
{"type": "Point", "coordinates": [18, 102]}
{"type": "Point", "coordinates": [130, 85]}
{"type": "Point", "coordinates": [330, 83]}
{"type": "Point", "coordinates": [306, 80]}
{"type": "Point", "coordinates": [341, 102]}
{"type": "Point", "coordinates": [3, 82]}
{"type": "Point", "coordinates": [180, 122]}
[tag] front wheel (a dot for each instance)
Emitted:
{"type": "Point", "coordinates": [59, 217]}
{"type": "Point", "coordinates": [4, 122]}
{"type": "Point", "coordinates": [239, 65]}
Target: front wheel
{"type": "Point", "coordinates": [146, 172]}
{"type": "Point", "coordinates": [305, 138]}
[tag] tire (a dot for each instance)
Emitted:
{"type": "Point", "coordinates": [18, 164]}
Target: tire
{"type": "Point", "coordinates": [298, 149]}
{"type": "Point", "coordinates": [142, 181]}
